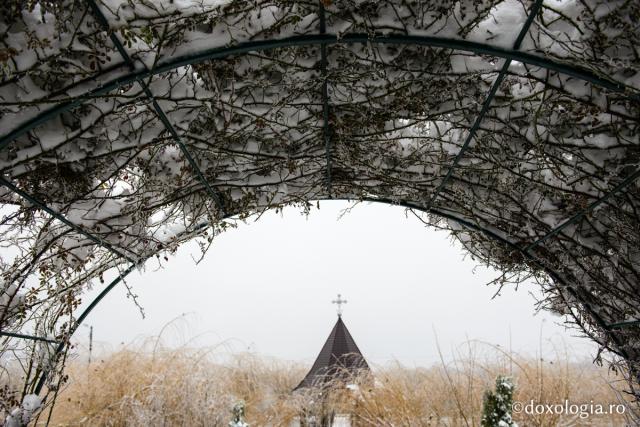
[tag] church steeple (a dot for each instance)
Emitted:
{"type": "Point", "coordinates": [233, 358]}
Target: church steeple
{"type": "Point", "coordinates": [339, 355]}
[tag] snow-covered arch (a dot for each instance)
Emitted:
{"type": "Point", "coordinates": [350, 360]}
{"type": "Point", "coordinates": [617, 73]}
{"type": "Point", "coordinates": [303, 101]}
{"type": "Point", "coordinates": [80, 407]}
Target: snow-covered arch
{"type": "Point", "coordinates": [131, 127]}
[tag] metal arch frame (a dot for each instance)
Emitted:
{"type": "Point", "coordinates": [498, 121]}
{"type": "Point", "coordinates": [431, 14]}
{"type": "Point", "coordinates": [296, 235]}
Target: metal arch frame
{"type": "Point", "coordinates": [325, 40]}
{"type": "Point", "coordinates": [463, 222]}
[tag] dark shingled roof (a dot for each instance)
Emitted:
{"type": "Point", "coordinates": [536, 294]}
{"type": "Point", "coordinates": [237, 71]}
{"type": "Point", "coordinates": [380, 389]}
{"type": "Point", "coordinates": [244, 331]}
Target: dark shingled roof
{"type": "Point", "coordinates": [340, 354]}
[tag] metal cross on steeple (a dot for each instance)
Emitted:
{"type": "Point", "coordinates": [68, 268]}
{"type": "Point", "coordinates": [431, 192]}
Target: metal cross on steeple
{"type": "Point", "coordinates": [339, 301]}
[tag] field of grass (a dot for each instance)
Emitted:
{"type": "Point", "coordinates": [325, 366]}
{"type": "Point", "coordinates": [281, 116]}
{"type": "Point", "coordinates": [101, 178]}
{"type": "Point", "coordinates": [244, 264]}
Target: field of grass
{"type": "Point", "coordinates": [162, 387]}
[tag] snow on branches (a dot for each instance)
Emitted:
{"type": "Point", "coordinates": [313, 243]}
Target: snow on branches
{"type": "Point", "coordinates": [147, 124]}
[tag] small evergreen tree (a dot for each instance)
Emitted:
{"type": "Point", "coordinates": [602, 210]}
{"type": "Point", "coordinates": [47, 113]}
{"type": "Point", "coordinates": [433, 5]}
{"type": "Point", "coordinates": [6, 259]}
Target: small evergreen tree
{"type": "Point", "coordinates": [238, 415]}
{"type": "Point", "coordinates": [496, 410]}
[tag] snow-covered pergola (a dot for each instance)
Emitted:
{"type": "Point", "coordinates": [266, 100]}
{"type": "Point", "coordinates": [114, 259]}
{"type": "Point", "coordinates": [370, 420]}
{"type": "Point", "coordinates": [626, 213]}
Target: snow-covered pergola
{"type": "Point", "coordinates": [129, 127]}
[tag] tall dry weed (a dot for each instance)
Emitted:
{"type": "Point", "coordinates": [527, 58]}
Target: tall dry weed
{"type": "Point", "coordinates": [184, 387]}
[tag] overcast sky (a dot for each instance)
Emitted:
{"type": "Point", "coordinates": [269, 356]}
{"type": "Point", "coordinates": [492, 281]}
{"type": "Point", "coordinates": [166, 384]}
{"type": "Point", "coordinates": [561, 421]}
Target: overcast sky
{"type": "Point", "coordinates": [267, 287]}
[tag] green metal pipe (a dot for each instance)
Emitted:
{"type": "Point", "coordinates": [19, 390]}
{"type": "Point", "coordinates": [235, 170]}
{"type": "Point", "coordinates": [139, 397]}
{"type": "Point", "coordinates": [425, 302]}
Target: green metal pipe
{"type": "Point", "coordinates": [28, 337]}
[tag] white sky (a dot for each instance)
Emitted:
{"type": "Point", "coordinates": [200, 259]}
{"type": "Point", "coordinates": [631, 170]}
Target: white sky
{"type": "Point", "coordinates": [267, 287]}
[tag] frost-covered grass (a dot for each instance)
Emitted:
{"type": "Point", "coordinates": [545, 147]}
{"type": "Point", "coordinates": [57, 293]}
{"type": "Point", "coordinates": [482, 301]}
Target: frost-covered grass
{"type": "Point", "coordinates": [136, 387]}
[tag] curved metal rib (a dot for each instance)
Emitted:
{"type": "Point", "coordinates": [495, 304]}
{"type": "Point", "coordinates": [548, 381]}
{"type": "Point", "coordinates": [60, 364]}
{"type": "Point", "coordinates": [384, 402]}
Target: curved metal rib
{"type": "Point", "coordinates": [463, 222]}
{"type": "Point", "coordinates": [320, 39]}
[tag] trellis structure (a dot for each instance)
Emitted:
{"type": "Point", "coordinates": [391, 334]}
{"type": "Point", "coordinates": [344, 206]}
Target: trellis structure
{"type": "Point", "coordinates": [130, 127]}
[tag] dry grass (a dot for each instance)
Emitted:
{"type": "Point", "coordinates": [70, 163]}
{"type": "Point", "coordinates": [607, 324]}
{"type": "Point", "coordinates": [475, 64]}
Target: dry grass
{"type": "Point", "coordinates": [189, 388]}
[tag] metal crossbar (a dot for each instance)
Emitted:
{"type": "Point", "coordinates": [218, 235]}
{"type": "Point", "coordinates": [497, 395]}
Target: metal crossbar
{"type": "Point", "coordinates": [215, 195]}
{"type": "Point", "coordinates": [327, 39]}
{"type": "Point", "coordinates": [621, 325]}
{"type": "Point", "coordinates": [575, 218]}
{"type": "Point", "coordinates": [325, 97]}
{"type": "Point", "coordinates": [99, 241]}
{"type": "Point", "coordinates": [486, 105]}
{"type": "Point", "coordinates": [28, 337]}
